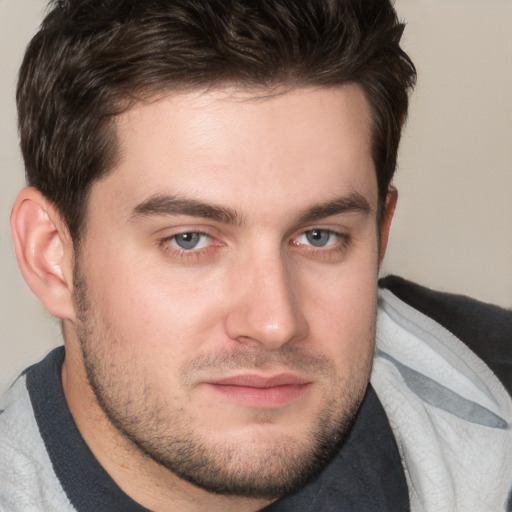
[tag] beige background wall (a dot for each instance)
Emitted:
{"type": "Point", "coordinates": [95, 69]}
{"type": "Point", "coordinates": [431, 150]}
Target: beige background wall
{"type": "Point", "coordinates": [453, 227]}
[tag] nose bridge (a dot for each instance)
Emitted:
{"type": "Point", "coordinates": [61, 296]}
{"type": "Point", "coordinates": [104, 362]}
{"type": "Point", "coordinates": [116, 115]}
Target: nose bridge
{"type": "Point", "coordinates": [267, 310]}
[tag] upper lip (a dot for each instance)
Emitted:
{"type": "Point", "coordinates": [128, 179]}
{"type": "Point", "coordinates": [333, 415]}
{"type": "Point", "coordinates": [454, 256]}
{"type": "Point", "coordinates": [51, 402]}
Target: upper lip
{"type": "Point", "coordinates": [261, 381]}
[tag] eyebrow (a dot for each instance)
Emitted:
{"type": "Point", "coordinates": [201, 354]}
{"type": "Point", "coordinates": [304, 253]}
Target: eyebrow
{"type": "Point", "coordinates": [175, 205]}
{"type": "Point", "coordinates": [351, 203]}
{"type": "Point", "coordinates": [160, 205]}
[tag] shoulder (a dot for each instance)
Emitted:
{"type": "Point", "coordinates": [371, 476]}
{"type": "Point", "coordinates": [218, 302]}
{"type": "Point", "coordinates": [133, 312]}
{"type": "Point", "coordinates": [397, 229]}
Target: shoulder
{"type": "Point", "coordinates": [437, 370]}
{"type": "Point", "coordinates": [485, 328]}
{"type": "Point", "coordinates": [27, 479]}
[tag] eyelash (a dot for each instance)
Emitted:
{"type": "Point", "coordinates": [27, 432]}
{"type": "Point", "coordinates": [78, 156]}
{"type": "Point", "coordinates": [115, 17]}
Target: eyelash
{"type": "Point", "coordinates": [340, 246]}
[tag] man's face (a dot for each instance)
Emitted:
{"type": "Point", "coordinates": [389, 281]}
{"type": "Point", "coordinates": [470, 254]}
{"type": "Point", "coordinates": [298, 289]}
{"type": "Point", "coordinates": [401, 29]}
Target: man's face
{"type": "Point", "coordinates": [226, 283]}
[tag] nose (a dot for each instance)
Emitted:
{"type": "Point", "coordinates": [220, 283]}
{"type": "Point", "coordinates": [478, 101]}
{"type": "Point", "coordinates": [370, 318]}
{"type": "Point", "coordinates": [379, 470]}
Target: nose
{"type": "Point", "coordinates": [267, 309]}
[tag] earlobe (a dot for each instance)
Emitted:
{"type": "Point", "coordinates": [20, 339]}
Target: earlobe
{"type": "Point", "coordinates": [44, 251]}
{"type": "Point", "coordinates": [387, 217]}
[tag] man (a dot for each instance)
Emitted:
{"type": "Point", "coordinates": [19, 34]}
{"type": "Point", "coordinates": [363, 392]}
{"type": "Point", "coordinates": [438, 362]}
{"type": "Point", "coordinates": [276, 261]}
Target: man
{"type": "Point", "coordinates": [209, 203]}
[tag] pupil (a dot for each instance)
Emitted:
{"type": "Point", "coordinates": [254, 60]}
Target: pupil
{"type": "Point", "coordinates": [318, 237]}
{"type": "Point", "coordinates": [187, 240]}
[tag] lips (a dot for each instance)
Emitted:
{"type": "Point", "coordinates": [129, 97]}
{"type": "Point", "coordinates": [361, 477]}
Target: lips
{"type": "Point", "coordinates": [261, 391]}
{"type": "Point", "coordinates": [258, 381]}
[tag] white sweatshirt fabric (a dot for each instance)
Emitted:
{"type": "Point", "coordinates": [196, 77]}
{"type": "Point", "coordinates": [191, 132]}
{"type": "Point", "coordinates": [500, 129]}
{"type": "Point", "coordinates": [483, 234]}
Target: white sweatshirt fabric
{"type": "Point", "coordinates": [450, 415]}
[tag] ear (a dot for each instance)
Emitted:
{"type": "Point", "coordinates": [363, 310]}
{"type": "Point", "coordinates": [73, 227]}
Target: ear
{"type": "Point", "coordinates": [387, 217]}
{"type": "Point", "coordinates": [44, 250]}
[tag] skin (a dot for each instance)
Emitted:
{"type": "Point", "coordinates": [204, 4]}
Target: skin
{"type": "Point", "coordinates": [155, 324]}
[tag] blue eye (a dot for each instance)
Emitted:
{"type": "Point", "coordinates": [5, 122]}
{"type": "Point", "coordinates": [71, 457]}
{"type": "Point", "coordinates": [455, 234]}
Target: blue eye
{"type": "Point", "coordinates": [319, 237]}
{"type": "Point", "coordinates": [190, 241]}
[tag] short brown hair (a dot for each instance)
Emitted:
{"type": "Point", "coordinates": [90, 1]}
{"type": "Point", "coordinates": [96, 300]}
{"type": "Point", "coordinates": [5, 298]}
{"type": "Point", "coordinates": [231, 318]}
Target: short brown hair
{"type": "Point", "coordinates": [92, 58]}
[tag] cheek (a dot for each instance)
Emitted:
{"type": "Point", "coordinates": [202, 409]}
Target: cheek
{"type": "Point", "coordinates": [168, 312]}
{"type": "Point", "coordinates": [342, 308]}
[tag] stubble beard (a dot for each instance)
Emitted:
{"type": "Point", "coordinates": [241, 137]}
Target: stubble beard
{"type": "Point", "coordinates": [279, 468]}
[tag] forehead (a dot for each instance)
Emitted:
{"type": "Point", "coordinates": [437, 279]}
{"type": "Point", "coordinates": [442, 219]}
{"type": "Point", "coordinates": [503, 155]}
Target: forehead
{"type": "Point", "coordinates": [239, 146]}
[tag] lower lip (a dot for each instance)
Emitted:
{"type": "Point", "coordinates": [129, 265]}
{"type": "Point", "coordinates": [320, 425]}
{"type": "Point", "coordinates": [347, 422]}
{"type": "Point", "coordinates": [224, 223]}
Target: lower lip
{"type": "Point", "coordinates": [275, 396]}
